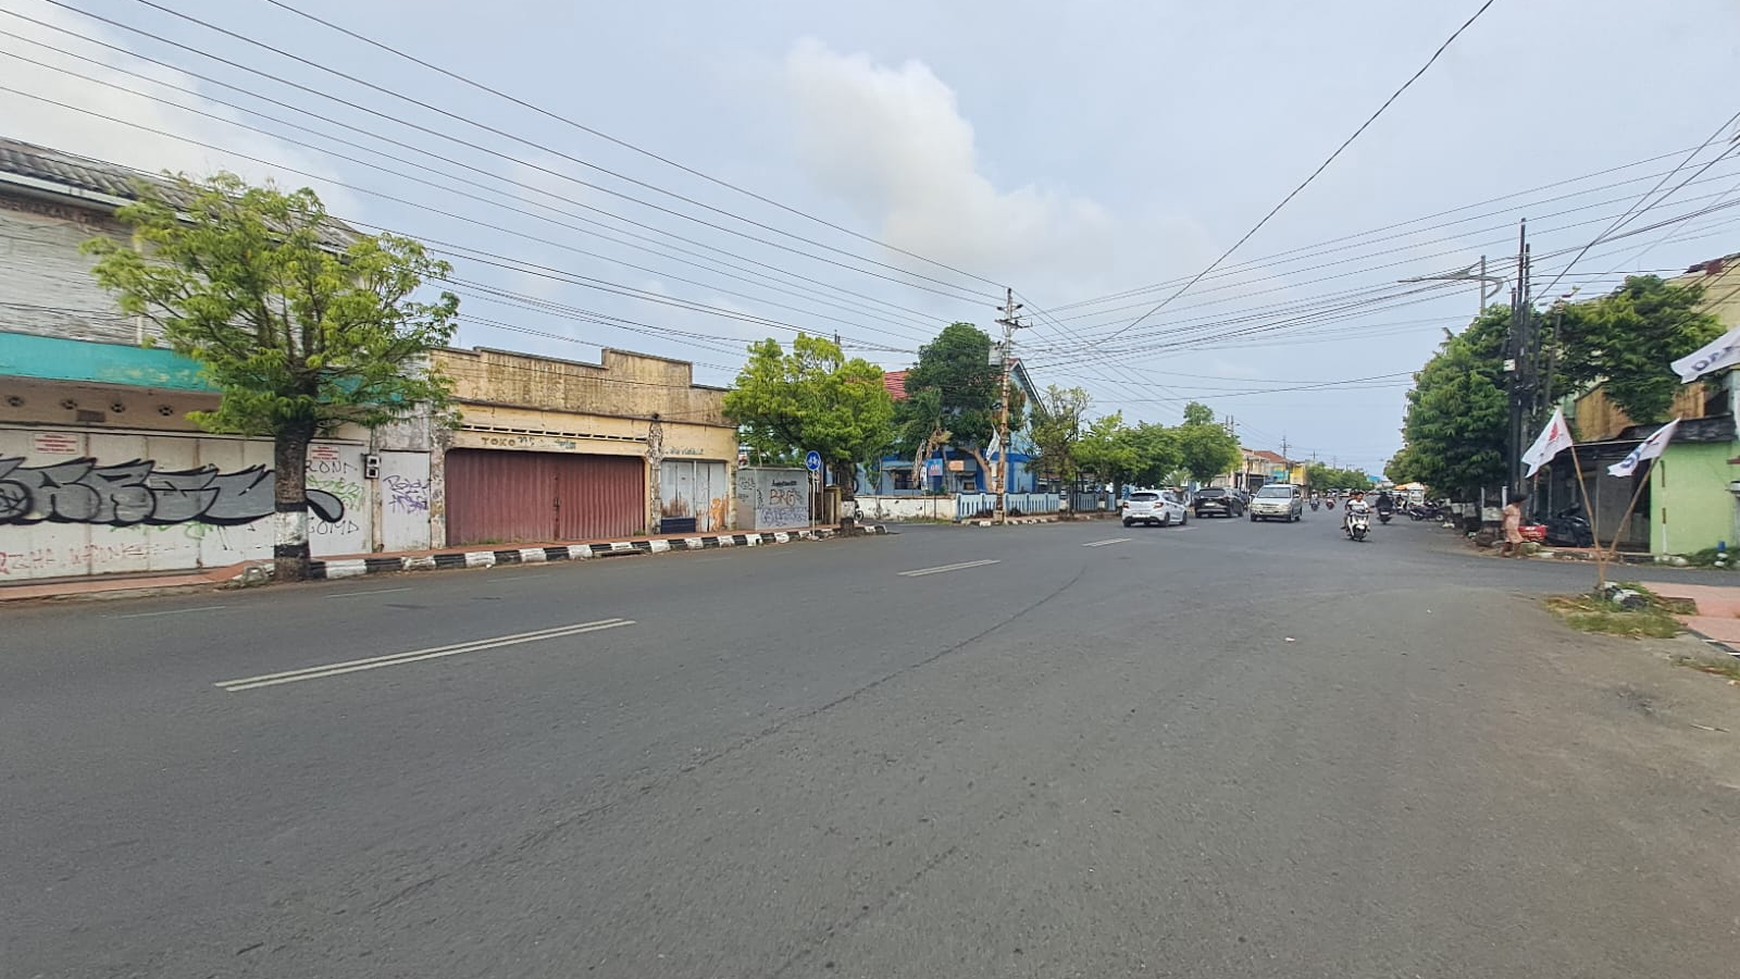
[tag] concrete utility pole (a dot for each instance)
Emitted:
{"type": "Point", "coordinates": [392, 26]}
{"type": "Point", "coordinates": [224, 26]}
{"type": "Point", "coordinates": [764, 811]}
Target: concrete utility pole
{"type": "Point", "coordinates": [1007, 349]}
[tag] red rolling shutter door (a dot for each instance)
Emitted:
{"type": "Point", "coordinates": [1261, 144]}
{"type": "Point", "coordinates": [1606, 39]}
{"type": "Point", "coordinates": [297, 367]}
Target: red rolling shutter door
{"type": "Point", "coordinates": [504, 497]}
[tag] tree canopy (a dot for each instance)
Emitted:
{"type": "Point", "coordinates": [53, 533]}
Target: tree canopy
{"type": "Point", "coordinates": [1206, 449]}
{"type": "Point", "coordinates": [813, 397]}
{"type": "Point", "coordinates": [1626, 340]}
{"type": "Point", "coordinates": [1056, 428]}
{"type": "Point", "coordinates": [1458, 411]}
{"type": "Point", "coordinates": [1322, 477]}
{"type": "Point", "coordinates": [302, 324]}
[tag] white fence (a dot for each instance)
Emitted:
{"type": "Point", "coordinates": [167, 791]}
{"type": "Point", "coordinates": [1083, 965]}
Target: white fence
{"type": "Point", "coordinates": [874, 508]}
{"type": "Point", "coordinates": [970, 505]}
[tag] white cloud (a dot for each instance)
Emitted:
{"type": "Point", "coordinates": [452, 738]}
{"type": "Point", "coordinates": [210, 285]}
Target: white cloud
{"type": "Point", "coordinates": [87, 133]}
{"type": "Point", "coordinates": [893, 144]}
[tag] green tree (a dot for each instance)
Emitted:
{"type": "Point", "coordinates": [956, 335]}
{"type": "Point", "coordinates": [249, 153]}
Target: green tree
{"type": "Point", "coordinates": [1322, 477]}
{"type": "Point", "coordinates": [953, 394]}
{"type": "Point", "coordinates": [1197, 413]}
{"type": "Point", "coordinates": [1206, 449]}
{"type": "Point", "coordinates": [1055, 428]}
{"type": "Point", "coordinates": [1458, 410]}
{"type": "Point", "coordinates": [1159, 456]}
{"type": "Point", "coordinates": [302, 324]}
{"type": "Point", "coordinates": [1105, 452]}
{"type": "Point", "coordinates": [813, 397]}
{"type": "Point", "coordinates": [1625, 341]}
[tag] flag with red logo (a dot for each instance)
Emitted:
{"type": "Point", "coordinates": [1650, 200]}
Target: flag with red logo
{"type": "Point", "coordinates": [1554, 439]}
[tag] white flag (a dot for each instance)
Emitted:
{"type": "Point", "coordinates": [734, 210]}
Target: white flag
{"type": "Point", "coordinates": [1554, 439]}
{"type": "Point", "coordinates": [1713, 356]}
{"type": "Point", "coordinates": [1649, 448]}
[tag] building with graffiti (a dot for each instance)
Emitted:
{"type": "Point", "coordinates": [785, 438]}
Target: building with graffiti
{"type": "Point", "coordinates": [101, 471]}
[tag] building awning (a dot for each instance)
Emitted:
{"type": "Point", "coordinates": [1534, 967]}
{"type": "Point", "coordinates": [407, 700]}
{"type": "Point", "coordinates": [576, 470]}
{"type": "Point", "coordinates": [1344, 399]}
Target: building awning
{"type": "Point", "coordinates": [82, 362]}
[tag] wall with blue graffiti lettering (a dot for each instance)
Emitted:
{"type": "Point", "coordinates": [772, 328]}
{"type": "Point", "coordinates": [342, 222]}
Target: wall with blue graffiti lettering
{"type": "Point", "coordinates": [82, 503]}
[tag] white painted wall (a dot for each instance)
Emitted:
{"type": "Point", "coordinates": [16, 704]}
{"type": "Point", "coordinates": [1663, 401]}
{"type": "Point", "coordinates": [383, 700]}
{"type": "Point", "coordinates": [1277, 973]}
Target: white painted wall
{"type": "Point", "coordinates": [142, 522]}
{"type": "Point", "coordinates": [906, 508]}
{"type": "Point", "coordinates": [404, 504]}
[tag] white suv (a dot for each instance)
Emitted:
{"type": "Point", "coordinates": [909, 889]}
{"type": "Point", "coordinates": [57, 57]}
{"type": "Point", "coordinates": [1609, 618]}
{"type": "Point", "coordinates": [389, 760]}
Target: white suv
{"type": "Point", "coordinates": [1154, 507]}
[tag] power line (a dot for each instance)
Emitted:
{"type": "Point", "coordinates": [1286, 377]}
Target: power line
{"type": "Point", "coordinates": [410, 147]}
{"type": "Point", "coordinates": [619, 142]}
{"type": "Point", "coordinates": [1317, 247]}
{"type": "Point", "coordinates": [495, 131]}
{"type": "Point", "coordinates": [1639, 208]}
{"type": "Point", "coordinates": [608, 287]}
{"type": "Point", "coordinates": [1314, 174]}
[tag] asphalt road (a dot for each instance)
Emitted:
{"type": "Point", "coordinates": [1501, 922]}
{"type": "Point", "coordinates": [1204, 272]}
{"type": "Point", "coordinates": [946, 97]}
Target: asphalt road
{"type": "Point", "coordinates": [1221, 750]}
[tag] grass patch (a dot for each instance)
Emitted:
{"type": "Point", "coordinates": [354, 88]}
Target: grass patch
{"type": "Point", "coordinates": [1725, 666]}
{"type": "Point", "coordinates": [1591, 613]}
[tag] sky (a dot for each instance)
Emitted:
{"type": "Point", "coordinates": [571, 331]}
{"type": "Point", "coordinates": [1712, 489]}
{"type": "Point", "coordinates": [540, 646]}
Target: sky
{"type": "Point", "coordinates": [682, 179]}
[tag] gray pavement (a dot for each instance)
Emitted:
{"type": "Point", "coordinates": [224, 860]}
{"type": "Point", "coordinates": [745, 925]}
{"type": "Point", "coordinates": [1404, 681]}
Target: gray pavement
{"type": "Point", "coordinates": [1221, 750]}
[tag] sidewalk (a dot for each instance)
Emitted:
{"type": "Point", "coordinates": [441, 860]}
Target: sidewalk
{"type": "Point", "coordinates": [357, 565]}
{"type": "Point", "coordinates": [1718, 609]}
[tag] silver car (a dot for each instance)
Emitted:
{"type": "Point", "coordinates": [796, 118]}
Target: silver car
{"type": "Point", "coordinates": [1278, 501]}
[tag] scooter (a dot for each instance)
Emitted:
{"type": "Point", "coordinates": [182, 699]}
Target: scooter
{"type": "Point", "coordinates": [1358, 522]}
{"type": "Point", "coordinates": [1315, 503]}
{"type": "Point", "coordinates": [1384, 515]}
{"type": "Point", "coordinates": [1569, 528]}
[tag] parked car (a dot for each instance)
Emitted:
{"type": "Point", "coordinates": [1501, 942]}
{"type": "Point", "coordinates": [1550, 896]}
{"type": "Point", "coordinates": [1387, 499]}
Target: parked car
{"type": "Point", "coordinates": [1154, 507]}
{"type": "Point", "coordinates": [1278, 501]}
{"type": "Point", "coordinates": [1216, 502]}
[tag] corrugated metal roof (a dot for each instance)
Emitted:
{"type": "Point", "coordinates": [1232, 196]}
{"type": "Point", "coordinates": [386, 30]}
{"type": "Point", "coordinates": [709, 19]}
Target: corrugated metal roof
{"type": "Point", "coordinates": [73, 171]}
{"type": "Point", "coordinates": [83, 174]}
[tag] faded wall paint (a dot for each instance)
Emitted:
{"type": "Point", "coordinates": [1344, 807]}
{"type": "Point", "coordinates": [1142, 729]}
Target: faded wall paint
{"type": "Point", "coordinates": [80, 502]}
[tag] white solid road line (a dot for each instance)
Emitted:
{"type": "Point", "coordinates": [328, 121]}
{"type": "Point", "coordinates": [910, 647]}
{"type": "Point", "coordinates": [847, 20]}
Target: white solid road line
{"type": "Point", "coordinates": [359, 594]}
{"type": "Point", "coordinates": [1103, 543]}
{"type": "Point", "coordinates": [416, 655]}
{"type": "Point", "coordinates": [171, 611]}
{"type": "Point", "coordinates": [947, 567]}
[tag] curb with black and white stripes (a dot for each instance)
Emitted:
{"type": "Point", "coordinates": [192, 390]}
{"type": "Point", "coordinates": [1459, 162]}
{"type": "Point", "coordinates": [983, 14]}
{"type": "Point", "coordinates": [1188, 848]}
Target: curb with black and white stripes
{"type": "Point", "coordinates": [357, 567]}
{"type": "Point", "coordinates": [1012, 522]}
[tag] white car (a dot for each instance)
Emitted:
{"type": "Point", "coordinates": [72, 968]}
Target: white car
{"type": "Point", "coordinates": [1154, 507]}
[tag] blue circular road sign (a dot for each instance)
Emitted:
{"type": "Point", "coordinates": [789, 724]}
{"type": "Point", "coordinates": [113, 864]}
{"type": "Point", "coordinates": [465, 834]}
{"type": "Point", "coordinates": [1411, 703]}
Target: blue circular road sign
{"type": "Point", "coordinates": [813, 461]}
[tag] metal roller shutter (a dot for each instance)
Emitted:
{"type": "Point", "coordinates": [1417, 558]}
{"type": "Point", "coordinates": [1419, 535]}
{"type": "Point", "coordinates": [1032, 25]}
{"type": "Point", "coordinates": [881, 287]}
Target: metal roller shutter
{"type": "Point", "coordinates": [496, 497]}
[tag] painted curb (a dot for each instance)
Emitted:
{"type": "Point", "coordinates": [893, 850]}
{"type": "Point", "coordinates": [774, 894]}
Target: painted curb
{"type": "Point", "coordinates": [356, 567]}
{"type": "Point", "coordinates": [1013, 521]}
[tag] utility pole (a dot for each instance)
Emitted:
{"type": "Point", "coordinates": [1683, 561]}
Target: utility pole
{"type": "Point", "coordinates": [1519, 359]}
{"type": "Point", "coordinates": [1006, 350]}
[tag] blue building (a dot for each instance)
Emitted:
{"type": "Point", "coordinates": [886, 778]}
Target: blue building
{"type": "Point", "coordinates": [950, 469]}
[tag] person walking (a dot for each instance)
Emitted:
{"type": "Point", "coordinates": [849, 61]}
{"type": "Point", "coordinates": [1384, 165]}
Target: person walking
{"type": "Point", "coordinates": [1513, 518]}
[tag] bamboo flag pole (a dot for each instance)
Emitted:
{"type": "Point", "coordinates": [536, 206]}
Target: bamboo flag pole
{"type": "Point", "coordinates": [1594, 528]}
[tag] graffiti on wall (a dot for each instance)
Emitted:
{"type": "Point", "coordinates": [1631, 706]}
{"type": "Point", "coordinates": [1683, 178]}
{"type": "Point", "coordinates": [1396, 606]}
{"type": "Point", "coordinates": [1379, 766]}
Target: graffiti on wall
{"type": "Point", "coordinates": [135, 493]}
{"type": "Point", "coordinates": [406, 495]}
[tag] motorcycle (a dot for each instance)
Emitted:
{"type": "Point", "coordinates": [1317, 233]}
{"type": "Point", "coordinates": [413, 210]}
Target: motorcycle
{"type": "Point", "coordinates": [1358, 522]}
{"type": "Point", "coordinates": [1315, 503]}
{"type": "Point", "coordinates": [1569, 528]}
{"type": "Point", "coordinates": [1330, 503]}
{"type": "Point", "coordinates": [1384, 515]}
